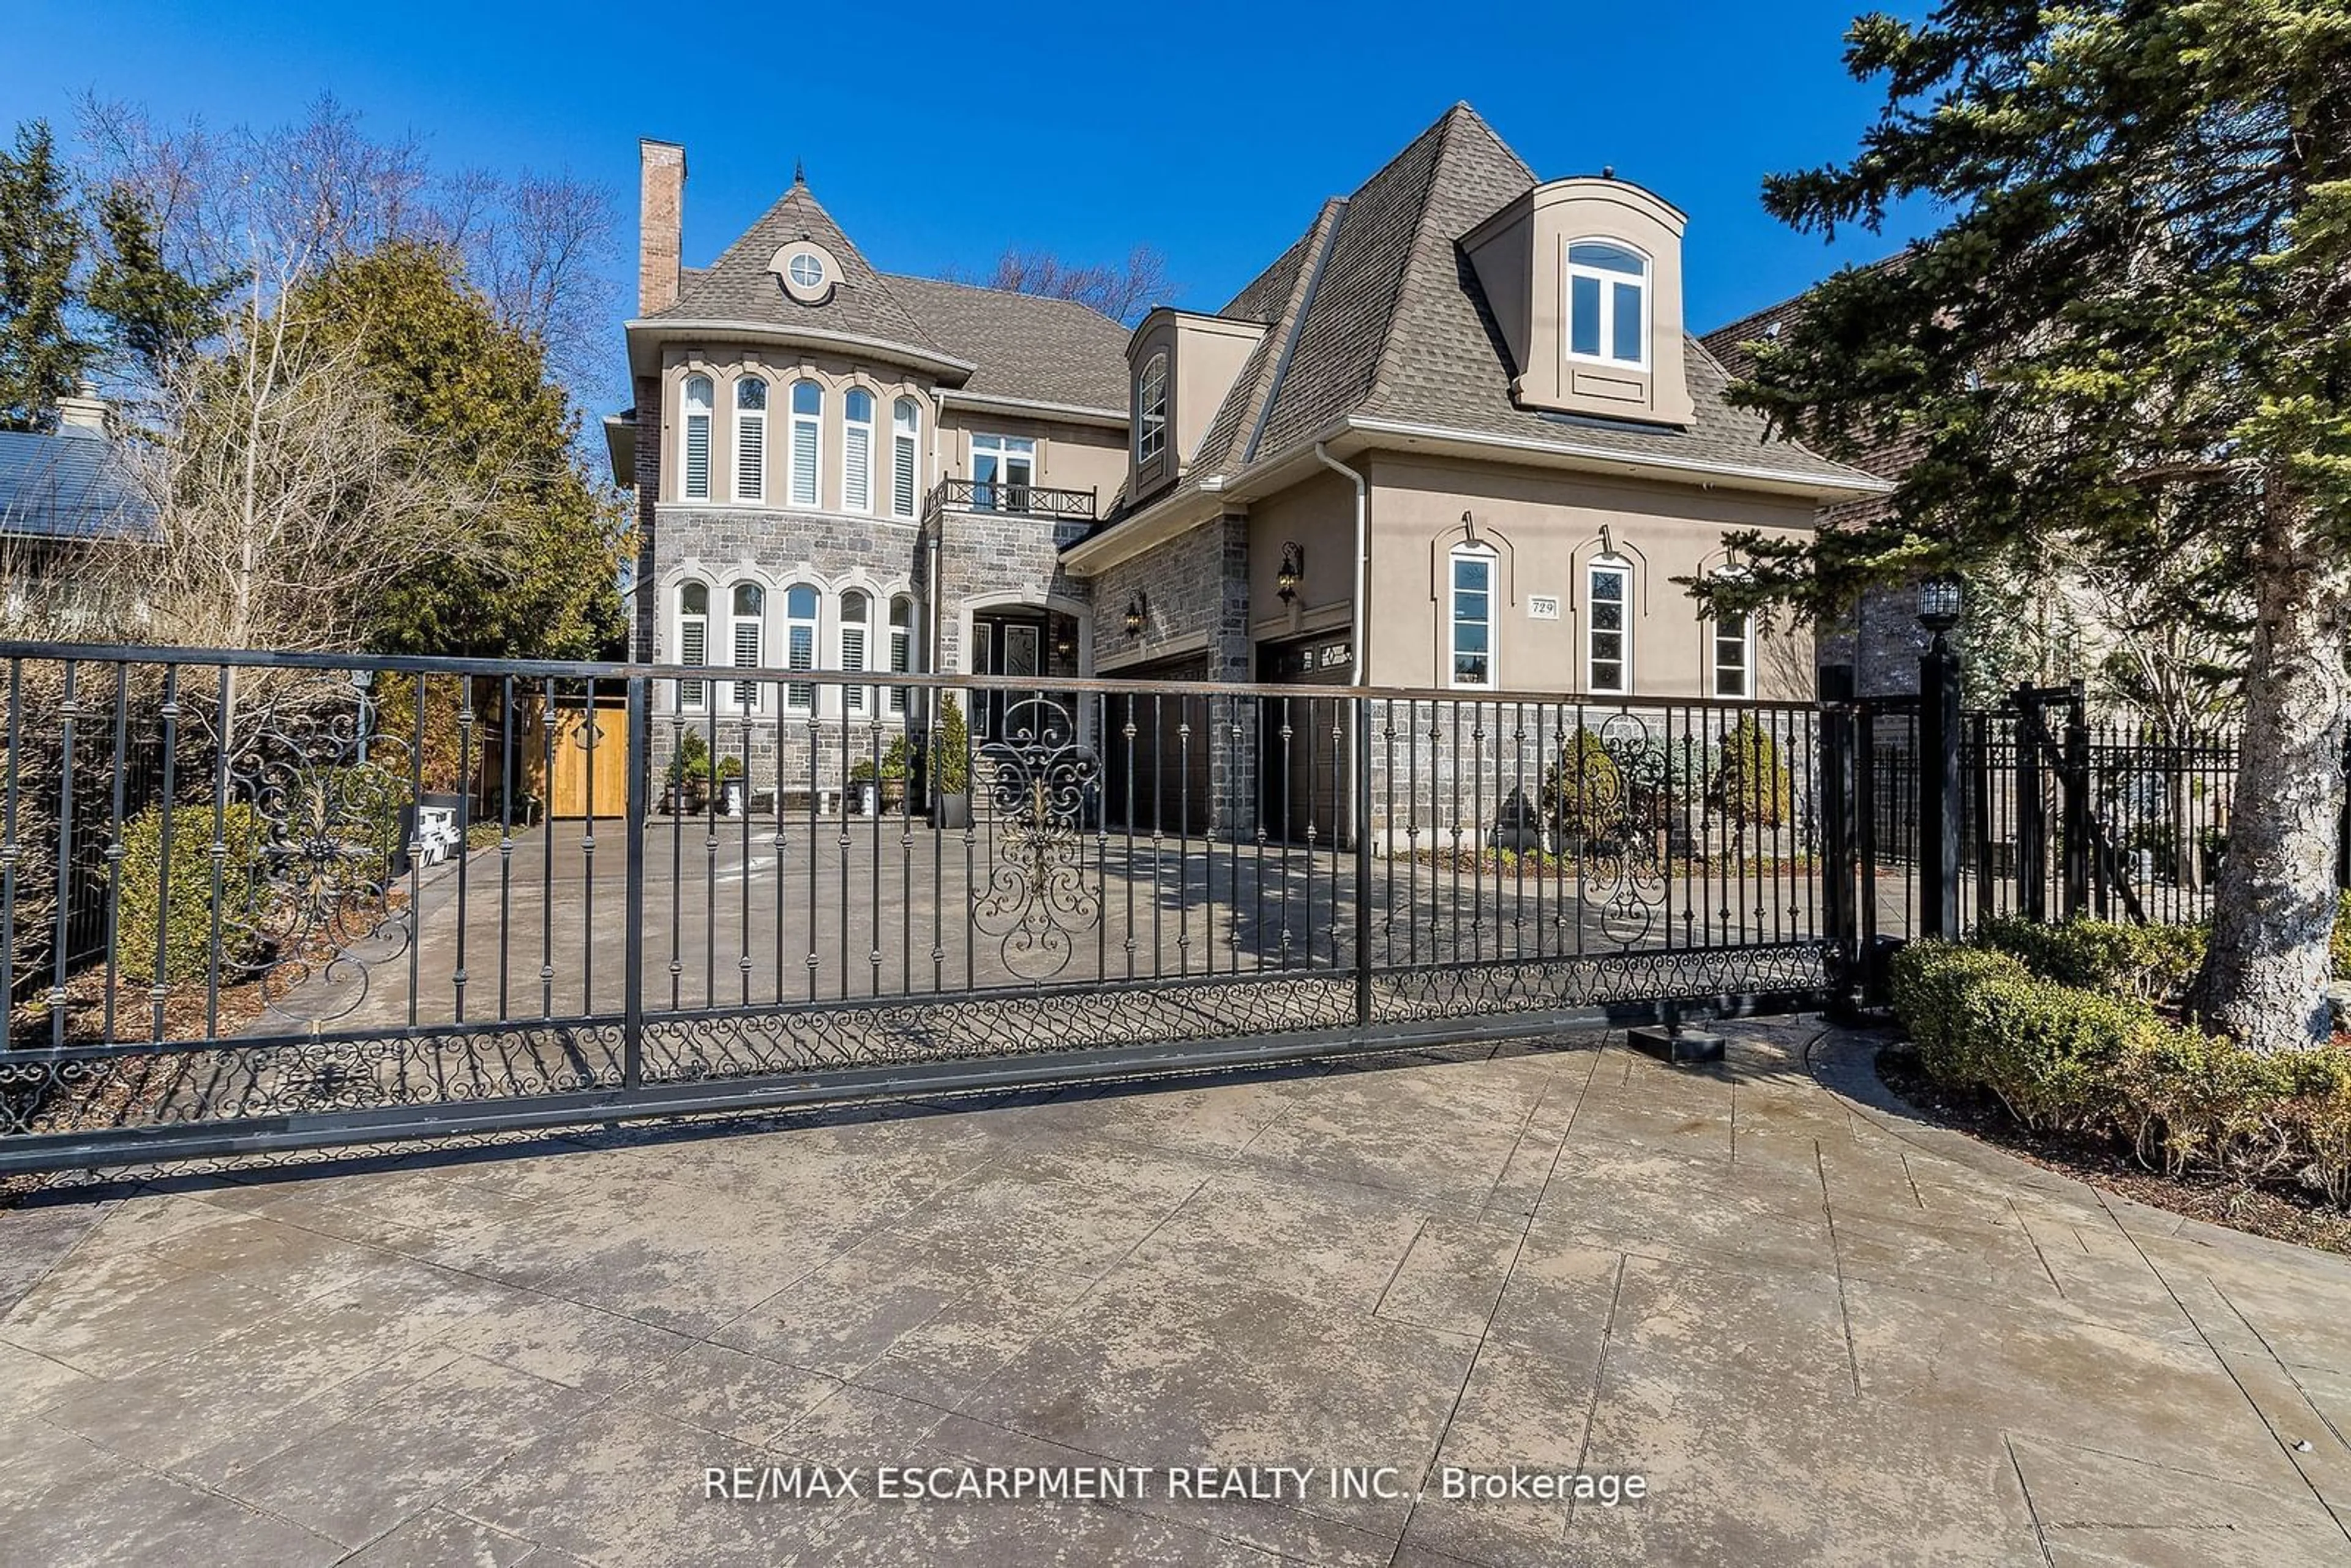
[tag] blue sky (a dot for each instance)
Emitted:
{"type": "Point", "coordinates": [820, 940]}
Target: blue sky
{"type": "Point", "coordinates": [939, 135]}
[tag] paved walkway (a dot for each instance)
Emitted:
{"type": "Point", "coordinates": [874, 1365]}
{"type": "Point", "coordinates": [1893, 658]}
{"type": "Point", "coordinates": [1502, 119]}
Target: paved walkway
{"type": "Point", "coordinates": [1818, 1332]}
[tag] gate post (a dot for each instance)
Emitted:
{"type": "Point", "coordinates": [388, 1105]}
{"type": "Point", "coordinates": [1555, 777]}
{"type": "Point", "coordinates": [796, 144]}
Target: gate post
{"type": "Point", "coordinates": [1841, 933]}
{"type": "Point", "coordinates": [2076, 780]}
{"type": "Point", "coordinates": [1363, 829]}
{"type": "Point", "coordinates": [638, 802]}
{"type": "Point", "coordinates": [1941, 805]}
{"type": "Point", "coordinates": [2031, 826]}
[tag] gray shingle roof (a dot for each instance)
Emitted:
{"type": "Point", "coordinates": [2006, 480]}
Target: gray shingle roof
{"type": "Point", "coordinates": [1444, 364]}
{"type": "Point", "coordinates": [739, 287]}
{"type": "Point", "coordinates": [1397, 327]}
{"type": "Point", "coordinates": [1025, 345]}
{"type": "Point", "coordinates": [68, 487]}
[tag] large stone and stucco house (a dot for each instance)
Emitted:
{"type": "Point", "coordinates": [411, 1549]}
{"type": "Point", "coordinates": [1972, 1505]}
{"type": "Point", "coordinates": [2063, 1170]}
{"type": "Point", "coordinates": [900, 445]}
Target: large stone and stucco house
{"type": "Point", "coordinates": [1454, 436]}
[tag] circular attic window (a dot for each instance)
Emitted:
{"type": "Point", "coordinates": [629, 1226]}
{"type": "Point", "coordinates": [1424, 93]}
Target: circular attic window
{"type": "Point", "coordinates": [807, 270]}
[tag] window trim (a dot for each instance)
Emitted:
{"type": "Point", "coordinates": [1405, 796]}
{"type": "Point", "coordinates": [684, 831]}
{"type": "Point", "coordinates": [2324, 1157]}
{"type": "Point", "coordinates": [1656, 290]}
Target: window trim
{"type": "Point", "coordinates": [1621, 568]}
{"type": "Point", "coordinates": [692, 696]}
{"type": "Point", "coordinates": [901, 652]}
{"type": "Point", "coordinates": [1570, 269]}
{"type": "Point", "coordinates": [746, 697]}
{"type": "Point", "coordinates": [850, 428]}
{"type": "Point", "coordinates": [799, 697]}
{"type": "Point", "coordinates": [813, 490]}
{"type": "Point", "coordinates": [1453, 622]}
{"type": "Point", "coordinates": [1151, 412]}
{"type": "Point", "coordinates": [706, 415]}
{"type": "Point", "coordinates": [1715, 642]}
{"type": "Point", "coordinates": [1014, 494]}
{"type": "Point", "coordinates": [752, 422]}
{"type": "Point", "coordinates": [911, 436]}
{"type": "Point", "coordinates": [856, 698]}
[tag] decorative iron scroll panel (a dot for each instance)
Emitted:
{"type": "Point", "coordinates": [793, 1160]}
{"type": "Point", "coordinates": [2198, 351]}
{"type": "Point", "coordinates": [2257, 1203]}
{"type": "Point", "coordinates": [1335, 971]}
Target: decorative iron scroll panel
{"type": "Point", "coordinates": [333, 896]}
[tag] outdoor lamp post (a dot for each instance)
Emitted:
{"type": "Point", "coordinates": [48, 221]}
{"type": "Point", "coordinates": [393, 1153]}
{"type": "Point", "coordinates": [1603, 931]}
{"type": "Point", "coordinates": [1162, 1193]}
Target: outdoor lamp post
{"type": "Point", "coordinates": [1940, 807]}
{"type": "Point", "coordinates": [1938, 605]}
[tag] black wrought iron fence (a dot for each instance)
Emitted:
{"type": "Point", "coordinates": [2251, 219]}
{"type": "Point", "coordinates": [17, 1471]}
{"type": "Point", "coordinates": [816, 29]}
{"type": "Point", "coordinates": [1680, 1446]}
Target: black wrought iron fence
{"type": "Point", "coordinates": [334, 912]}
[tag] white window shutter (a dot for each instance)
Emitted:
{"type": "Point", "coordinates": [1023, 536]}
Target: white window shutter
{"type": "Point", "coordinates": [804, 435]}
{"type": "Point", "coordinates": [750, 458]}
{"type": "Point", "coordinates": [901, 497]}
{"type": "Point", "coordinates": [857, 470]}
{"type": "Point", "coordinates": [697, 457]}
{"type": "Point", "coordinates": [693, 648]}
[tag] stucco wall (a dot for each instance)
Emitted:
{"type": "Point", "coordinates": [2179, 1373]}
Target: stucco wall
{"type": "Point", "coordinates": [1546, 530]}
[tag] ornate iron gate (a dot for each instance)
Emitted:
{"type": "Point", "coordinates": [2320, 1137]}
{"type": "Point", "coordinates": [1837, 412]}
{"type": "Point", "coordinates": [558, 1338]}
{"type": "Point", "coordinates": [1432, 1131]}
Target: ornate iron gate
{"type": "Point", "coordinates": [335, 908]}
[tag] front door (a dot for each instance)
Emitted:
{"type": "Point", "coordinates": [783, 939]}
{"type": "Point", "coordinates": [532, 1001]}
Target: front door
{"type": "Point", "coordinates": [1020, 644]}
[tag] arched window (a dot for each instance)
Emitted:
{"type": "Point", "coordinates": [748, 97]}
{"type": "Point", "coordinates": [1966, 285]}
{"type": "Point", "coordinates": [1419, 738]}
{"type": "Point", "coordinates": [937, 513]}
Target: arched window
{"type": "Point", "coordinates": [902, 647]}
{"type": "Point", "coordinates": [1151, 410]}
{"type": "Point", "coordinates": [748, 606]}
{"type": "Point", "coordinates": [750, 439]}
{"type": "Point", "coordinates": [1608, 625]}
{"type": "Point", "coordinates": [857, 450]}
{"type": "Point", "coordinates": [1607, 303]}
{"type": "Point", "coordinates": [799, 644]}
{"type": "Point", "coordinates": [905, 457]}
{"type": "Point", "coordinates": [1473, 568]}
{"type": "Point", "coordinates": [693, 639]}
{"type": "Point", "coordinates": [697, 439]}
{"type": "Point", "coordinates": [856, 626]}
{"type": "Point", "coordinates": [807, 427]}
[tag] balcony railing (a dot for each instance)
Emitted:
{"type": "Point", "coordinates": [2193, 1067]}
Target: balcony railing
{"type": "Point", "coordinates": [998, 496]}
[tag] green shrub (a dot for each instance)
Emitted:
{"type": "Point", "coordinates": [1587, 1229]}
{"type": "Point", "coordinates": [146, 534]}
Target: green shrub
{"type": "Point", "coordinates": [1582, 793]}
{"type": "Point", "coordinates": [184, 905]}
{"type": "Point", "coordinates": [893, 758]}
{"type": "Point", "coordinates": [952, 748]}
{"type": "Point", "coordinates": [2152, 962]}
{"type": "Point", "coordinates": [2338, 947]}
{"type": "Point", "coordinates": [2071, 1059]}
{"type": "Point", "coordinates": [1750, 786]}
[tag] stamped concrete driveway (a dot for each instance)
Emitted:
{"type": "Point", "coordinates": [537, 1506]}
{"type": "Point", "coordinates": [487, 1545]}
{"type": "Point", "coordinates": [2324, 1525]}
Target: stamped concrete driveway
{"type": "Point", "coordinates": [1819, 1332]}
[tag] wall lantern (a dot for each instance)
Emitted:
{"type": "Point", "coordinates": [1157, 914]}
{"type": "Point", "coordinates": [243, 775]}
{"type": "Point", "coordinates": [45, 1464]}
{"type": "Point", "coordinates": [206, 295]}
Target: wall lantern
{"type": "Point", "coordinates": [1293, 572]}
{"type": "Point", "coordinates": [1939, 603]}
{"type": "Point", "coordinates": [1138, 610]}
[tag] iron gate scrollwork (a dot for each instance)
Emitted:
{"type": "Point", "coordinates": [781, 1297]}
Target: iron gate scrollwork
{"type": "Point", "coordinates": [331, 814]}
{"type": "Point", "coordinates": [1044, 784]}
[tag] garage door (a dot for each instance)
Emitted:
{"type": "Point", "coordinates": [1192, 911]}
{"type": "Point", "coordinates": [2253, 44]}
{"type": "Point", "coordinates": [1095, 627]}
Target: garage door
{"type": "Point", "coordinates": [1159, 778]}
{"type": "Point", "coordinates": [1304, 780]}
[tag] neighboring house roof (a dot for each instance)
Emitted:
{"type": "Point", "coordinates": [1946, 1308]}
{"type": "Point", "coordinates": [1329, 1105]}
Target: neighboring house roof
{"type": "Point", "coordinates": [1377, 316]}
{"type": "Point", "coordinates": [998, 344]}
{"type": "Point", "coordinates": [1026, 347]}
{"type": "Point", "coordinates": [68, 487]}
{"type": "Point", "coordinates": [1888, 459]}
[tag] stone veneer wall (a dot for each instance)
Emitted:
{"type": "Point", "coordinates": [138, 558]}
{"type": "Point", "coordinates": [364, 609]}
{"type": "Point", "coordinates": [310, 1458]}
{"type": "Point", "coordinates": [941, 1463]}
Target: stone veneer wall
{"type": "Point", "coordinates": [1196, 592]}
{"type": "Point", "coordinates": [777, 548]}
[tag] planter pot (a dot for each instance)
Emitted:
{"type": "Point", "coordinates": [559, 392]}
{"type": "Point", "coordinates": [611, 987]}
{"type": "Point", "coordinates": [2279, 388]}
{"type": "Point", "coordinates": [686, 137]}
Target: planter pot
{"type": "Point", "coordinates": [955, 810]}
{"type": "Point", "coordinates": [893, 796]}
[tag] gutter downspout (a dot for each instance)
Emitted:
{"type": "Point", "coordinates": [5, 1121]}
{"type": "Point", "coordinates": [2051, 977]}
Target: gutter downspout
{"type": "Point", "coordinates": [1363, 552]}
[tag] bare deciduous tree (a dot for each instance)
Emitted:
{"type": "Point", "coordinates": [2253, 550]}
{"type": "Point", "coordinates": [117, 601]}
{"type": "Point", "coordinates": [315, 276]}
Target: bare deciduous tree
{"type": "Point", "coordinates": [1122, 292]}
{"type": "Point", "coordinates": [305, 194]}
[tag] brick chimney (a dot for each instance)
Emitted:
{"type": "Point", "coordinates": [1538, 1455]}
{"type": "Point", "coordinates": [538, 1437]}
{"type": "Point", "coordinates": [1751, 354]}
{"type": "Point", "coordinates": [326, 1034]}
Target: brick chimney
{"type": "Point", "coordinates": [661, 215]}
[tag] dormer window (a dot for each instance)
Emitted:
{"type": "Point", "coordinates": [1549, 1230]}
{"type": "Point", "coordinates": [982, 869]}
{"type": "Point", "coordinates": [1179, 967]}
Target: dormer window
{"type": "Point", "coordinates": [1151, 410]}
{"type": "Point", "coordinates": [1607, 303]}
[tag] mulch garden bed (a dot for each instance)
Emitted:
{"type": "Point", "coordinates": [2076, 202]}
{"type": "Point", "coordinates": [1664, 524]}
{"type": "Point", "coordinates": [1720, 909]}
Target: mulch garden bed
{"type": "Point", "coordinates": [2281, 1212]}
